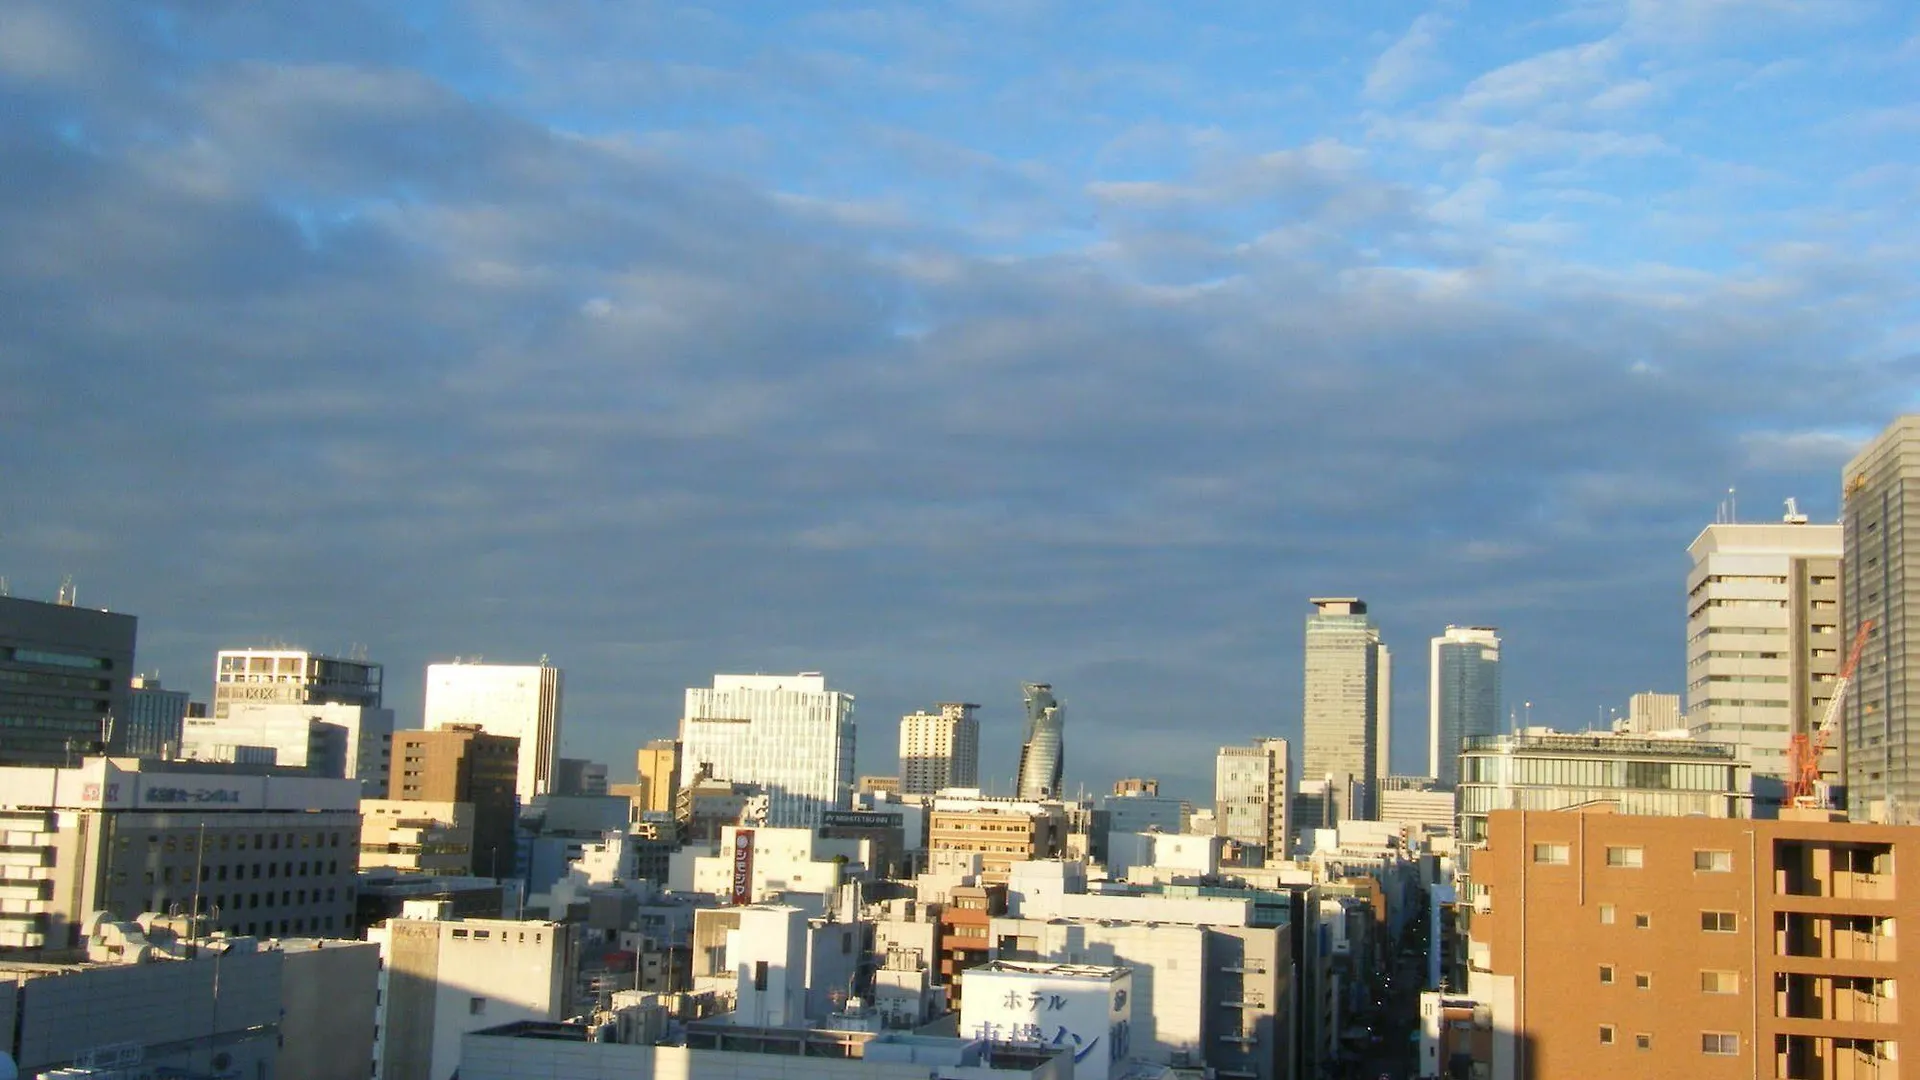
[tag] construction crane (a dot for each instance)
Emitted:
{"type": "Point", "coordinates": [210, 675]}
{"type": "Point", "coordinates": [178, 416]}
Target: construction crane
{"type": "Point", "coordinates": [1803, 761]}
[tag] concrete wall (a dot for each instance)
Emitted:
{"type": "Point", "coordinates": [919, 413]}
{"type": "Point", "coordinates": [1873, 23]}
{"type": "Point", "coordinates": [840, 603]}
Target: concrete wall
{"type": "Point", "coordinates": [487, 1057]}
{"type": "Point", "coordinates": [327, 1006]}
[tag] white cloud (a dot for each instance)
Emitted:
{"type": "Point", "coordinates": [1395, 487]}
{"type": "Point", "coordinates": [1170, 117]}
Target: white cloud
{"type": "Point", "coordinates": [1408, 62]}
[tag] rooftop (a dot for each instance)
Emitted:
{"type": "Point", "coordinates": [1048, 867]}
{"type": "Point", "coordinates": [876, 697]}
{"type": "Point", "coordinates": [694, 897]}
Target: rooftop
{"type": "Point", "coordinates": [1601, 742]}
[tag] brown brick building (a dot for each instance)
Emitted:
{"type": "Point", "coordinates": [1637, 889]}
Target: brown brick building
{"type": "Point", "coordinates": [965, 920]}
{"type": "Point", "coordinates": [1615, 945]}
{"type": "Point", "coordinates": [463, 764]}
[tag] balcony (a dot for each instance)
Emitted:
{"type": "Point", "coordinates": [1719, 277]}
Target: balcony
{"type": "Point", "coordinates": [1824, 870]}
{"type": "Point", "coordinates": [1844, 999]}
{"type": "Point", "coordinates": [1835, 937]}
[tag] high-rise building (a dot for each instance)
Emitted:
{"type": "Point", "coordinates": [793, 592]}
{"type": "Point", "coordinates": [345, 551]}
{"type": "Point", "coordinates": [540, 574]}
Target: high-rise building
{"type": "Point", "coordinates": [154, 721]}
{"type": "Point", "coordinates": [1252, 797]}
{"type": "Point", "coordinates": [517, 700]}
{"type": "Point", "coordinates": [787, 734]}
{"type": "Point", "coordinates": [292, 677]}
{"type": "Point", "coordinates": [1043, 752]}
{"type": "Point", "coordinates": [1463, 697]}
{"type": "Point", "coordinates": [940, 750]}
{"type": "Point", "coordinates": [1621, 945]}
{"type": "Point", "coordinates": [657, 766]}
{"type": "Point", "coordinates": [1881, 726]}
{"type": "Point", "coordinates": [1648, 712]}
{"type": "Point", "coordinates": [64, 680]}
{"type": "Point", "coordinates": [463, 764]}
{"type": "Point", "coordinates": [1763, 639]}
{"type": "Point", "coordinates": [1347, 704]}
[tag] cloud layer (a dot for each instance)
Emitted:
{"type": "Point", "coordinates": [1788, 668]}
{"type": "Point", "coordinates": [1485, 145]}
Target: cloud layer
{"type": "Point", "coordinates": [934, 355]}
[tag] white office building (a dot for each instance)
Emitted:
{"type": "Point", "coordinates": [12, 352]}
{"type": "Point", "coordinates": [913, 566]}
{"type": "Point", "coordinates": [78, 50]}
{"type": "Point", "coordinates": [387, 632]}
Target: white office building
{"type": "Point", "coordinates": [1763, 637]}
{"type": "Point", "coordinates": [1463, 696]}
{"type": "Point", "coordinates": [292, 676]}
{"type": "Point", "coordinates": [786, 734]}
{"type": "Point", "coordinates": [354, 742]}
{"type": "Point", "coordinates": [519, 700]}
{"type": "Point", "coordinates": [940, 750]}
{"type": "Point", "coordinates": [1347, 702]}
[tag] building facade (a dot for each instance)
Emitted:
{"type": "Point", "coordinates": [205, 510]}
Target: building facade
{"type": "Point", "coordinates": [443, 977]}
{"type": "Point", "coordinates": [1001, 831]}
{"type": "Point", "coordinates": [1619, 945]}
{"type": "Point", "coordinates": [521, 701]}
{"type": "Point", "coordinates": [1348, 701]}
{"type": "Point", "coordinates": [1043, 750]}
{"type": "Point", "coordinates": [789, 735]}
{"type": "Point", "coordinates": [657, 766]}
{"type": "Point", "coordinates": [1252, 797]}
{"type": "Point", "coordinates": [416, 837]}
{"type": "Point", "coordinates": [1463, 696]}
{"type": "Point", "coordinates": [64, 680]}
{"type": "Point", "coordinates": [463, 764]}
{"type": "Point", "coordinates": [1650, 711]}
{"type": "Point", "coordinates": [1763, 638]}
{"type": "Point", "coordinates": [940, 750]}
{"type": "Point", "coordinates": [257, 852]}
{"type": "Point", "coordinates": [1881, 529]}
{"type": "Point", "coordinates": [292, 676]}
{"type": "Point", "coordinates": [155, 719]}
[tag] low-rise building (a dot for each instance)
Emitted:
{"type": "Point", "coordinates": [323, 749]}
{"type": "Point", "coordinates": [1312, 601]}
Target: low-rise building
{"type": "Point", "coordinates": [1001, 831]}
{"type": "Point", "coordinates": [416, 837]}
{"type": "Point", "coordinates": [775, 864]}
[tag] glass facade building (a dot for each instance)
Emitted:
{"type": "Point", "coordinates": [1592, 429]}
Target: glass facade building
{"type": "Point", "coordinates": [65, 675]}
{"type": "Point", "coordinates": [787, 734]}
{"type": "Point", "coordinates": [1043, 754]}
{"type": "Point", "coordinates": [1464, 696]}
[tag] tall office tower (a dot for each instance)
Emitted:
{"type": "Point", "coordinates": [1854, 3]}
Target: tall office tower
{"type": "Point", "coordinates": [64, 680]}
{"type": "Point", "coordinates": [520, 700]}
{"type": "Point", "coordinates": [463, 764]}
{"type": "Point", "coordinates": [292, 677]}
{"type": "Point", "coordinates": [1043, 754]}
{"type": "Point", "coordinates": [1463, 696]}
{"type": "Point", "coordinates": [788, 734]}
{"type": "Point", "coordinates": [1763, 638]}
{"type": "Point", "coordinates": [1881, 520]}
{"type": "Point", "coordinates": [1252, 796]}
{"type": "Point", "coordinates": [155, 719]}
{"type": "Point", "coordinates": [657, 766]}
{"type": "Point", "coordinates": [1648, 712]}
{"type": "Point", "coordinates": [1345, 707]}
{"type": "Point", "coordinates": [939, 750]}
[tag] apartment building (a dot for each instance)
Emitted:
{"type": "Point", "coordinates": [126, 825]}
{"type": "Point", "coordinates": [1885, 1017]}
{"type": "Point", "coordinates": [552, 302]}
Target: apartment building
{"type": "Point", "coordinates": [1617, 945]}
{"type": "Point", "coordinates": [1001, 831]}
{"type": "Point", "coordinates": [464, 764]}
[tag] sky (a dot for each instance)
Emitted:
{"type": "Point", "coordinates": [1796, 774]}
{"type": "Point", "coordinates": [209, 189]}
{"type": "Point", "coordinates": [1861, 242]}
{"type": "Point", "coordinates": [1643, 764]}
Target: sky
{"type": "Point", "coordinates": [938, 347]}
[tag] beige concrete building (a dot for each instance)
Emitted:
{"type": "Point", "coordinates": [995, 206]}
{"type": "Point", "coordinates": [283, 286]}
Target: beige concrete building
{"type": "Point", "coordinates": [464, 764]}
{"type": "Point", "coordinates": [1253, 798]}
{"type": "Point", "coordinates": [1616, 945]}
{"type": "Point", "coordinates": [1881, 525]}
{"type": "Point", "coordinates": [1763, 639]}
{"type": "Point", "coordinates": [657, 765]}
{"type": "Point", "coordinates": [443, 977]}
{"type": "Point", "coordinates": [292, 676]}
{"type": "Point", "coordinates": [416, 837]}
{"type": "Point", "coordinates": [940, 750]}
{"type": "Point", "coordinates": [259, 852]}
{"type": "Point", "coordinates": [1001, 831]}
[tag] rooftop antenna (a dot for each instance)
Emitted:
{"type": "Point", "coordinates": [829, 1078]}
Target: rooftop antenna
{"type": "Point", "coordinates": [1793, 515]}
{"type": "Point", "coordinates": [68, 593]}
{"type": "Point", "coordinates": [1733, 507]}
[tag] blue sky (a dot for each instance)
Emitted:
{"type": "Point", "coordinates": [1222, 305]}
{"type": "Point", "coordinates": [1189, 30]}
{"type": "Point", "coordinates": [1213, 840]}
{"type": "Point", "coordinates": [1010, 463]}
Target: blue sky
{"type": "Point", "coordinates": [939, 347]}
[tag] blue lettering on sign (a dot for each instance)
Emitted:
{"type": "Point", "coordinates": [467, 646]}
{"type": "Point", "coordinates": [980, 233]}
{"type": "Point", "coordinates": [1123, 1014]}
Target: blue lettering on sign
{"type": "Point", "coordinates": [191, 795]}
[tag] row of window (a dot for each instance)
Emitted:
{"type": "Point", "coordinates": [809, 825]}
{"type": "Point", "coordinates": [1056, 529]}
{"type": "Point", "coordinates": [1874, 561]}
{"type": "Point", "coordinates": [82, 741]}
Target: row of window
{"type": "Point", "coordinates": [238, 841]}
{"type": "Point", "coordinates": [1711, 982]}
{"type": "Point", "coordinates": [244, 901]}
{"type": "Point", "coordinates": [1712, 922]}
{"type": "Point", "coordinates": [219, 873]}
{"type": "Point", "coordinates": [1630, 857]}
{"type": "Point", "coordinates": [1714, 1043]}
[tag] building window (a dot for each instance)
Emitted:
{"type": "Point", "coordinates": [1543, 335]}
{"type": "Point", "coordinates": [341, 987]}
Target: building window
{"type": "Point", "coordinates": [1629, 857]}
{"type": "Point", "coordinates": [1606, 914]}
{"type": "Point", "coordinates": [1550, 854]}
{"type": "Point", "coordinates": [1643, 980]}
{"type": "Point", "coordinates": [1719, 982]}
{"type": "Point", "coordinates": [1606, 974]}
{"type": "Point", "coordinates": [1642, 920]}
{"type": "Point", "coordinates": [1719, 1043]}
{"type": "Point", "coordinates": [1606, 1034]}
{"type": "Point", "coordinates": [1719, 862]}
{"type": "Point", "coordinates": [1719, 922]}
{"type": "Point", "coordinates": [1643, 1041]}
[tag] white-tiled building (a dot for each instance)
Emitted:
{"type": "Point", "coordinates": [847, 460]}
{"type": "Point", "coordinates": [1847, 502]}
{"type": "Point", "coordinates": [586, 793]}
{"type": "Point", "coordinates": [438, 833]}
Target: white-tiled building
{"type": "Point", "coordinates": [787, 734]}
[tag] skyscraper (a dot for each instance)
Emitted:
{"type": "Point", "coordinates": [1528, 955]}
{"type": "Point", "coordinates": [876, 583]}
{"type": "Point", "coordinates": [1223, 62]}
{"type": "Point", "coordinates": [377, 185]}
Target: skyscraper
{"type": "Point", "coordinates": [518, 700]}
{"type": "Point", "coordinates": [787, 734]}
{"type": "Point", "coordinates": [1346, 703]}
{"type": "Point", "coordinates": [66, 673]}
{"type": "Point", "coordinates": [940, 750]}
{"type": "Point", "coordinates": [1763, 639]}
{"type": "Point", "coordinates": [1882, 582]}
{"type": "Point", "coordinates": [1463, 696]}
{"type": "Point", "coordinates": [1043, 754]}
{"type": "Point", "coordinates": [1252, 795]}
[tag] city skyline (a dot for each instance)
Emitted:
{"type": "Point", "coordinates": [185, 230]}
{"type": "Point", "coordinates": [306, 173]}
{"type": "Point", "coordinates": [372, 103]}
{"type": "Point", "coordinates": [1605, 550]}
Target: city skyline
{"type": "Point", "coordinates": [677, 342]}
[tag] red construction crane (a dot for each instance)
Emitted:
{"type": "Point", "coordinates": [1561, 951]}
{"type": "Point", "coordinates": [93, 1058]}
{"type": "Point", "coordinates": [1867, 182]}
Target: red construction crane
{"type": "Point", "coordinates": [1803, 760]}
